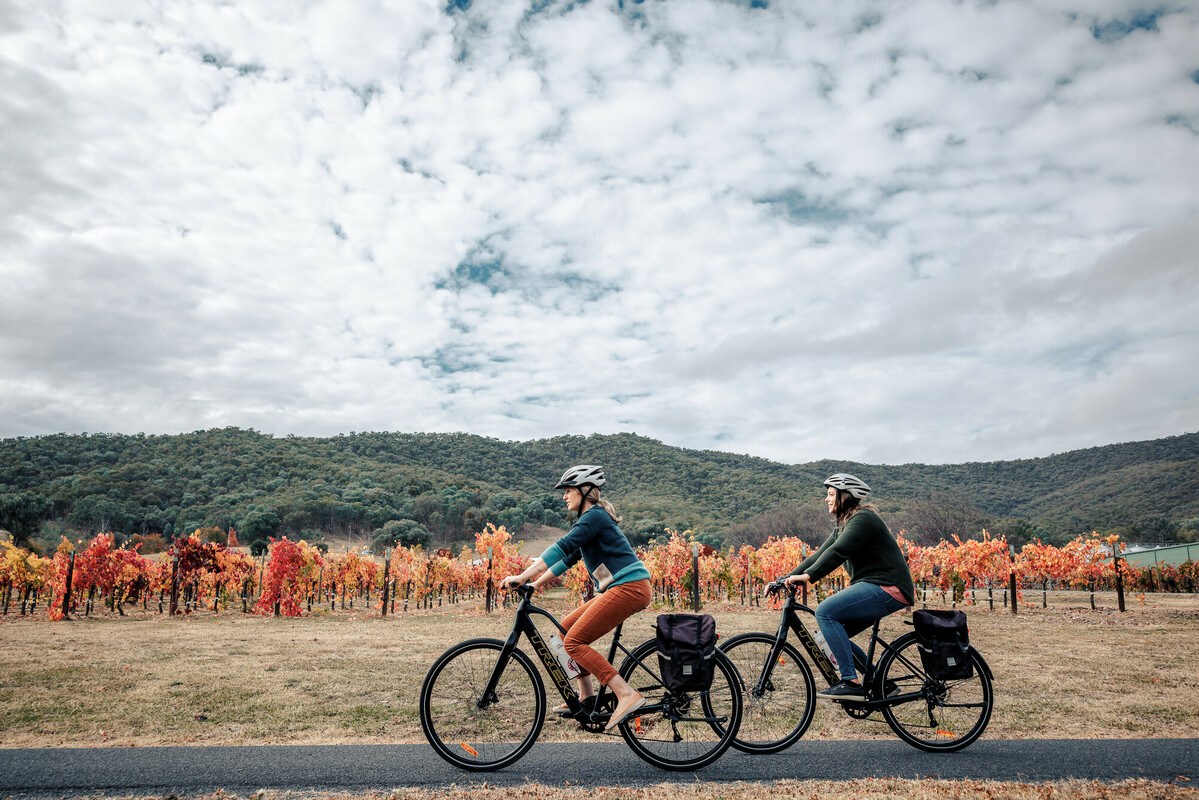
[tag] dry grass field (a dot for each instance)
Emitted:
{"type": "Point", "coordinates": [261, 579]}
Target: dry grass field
{"type": "Point", "coordinates": [349, 677]}
{"type": "Point", "coordinates": [353, 677]}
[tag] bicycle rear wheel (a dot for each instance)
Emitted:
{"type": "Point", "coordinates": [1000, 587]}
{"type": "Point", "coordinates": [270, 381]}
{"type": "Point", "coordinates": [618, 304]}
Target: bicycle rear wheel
{"type": "Point", "coordinates": [945, 715]}
{"type": "Point", "coordinates": [779, 711]}
{"type": "Point", "coordinates": [469, 730]}
{"type": "Point", "coordinates": [681, 732]}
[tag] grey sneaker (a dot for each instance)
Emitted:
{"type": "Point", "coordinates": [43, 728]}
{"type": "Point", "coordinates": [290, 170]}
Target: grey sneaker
{"type": "Point", "coordinates": [842, 690]}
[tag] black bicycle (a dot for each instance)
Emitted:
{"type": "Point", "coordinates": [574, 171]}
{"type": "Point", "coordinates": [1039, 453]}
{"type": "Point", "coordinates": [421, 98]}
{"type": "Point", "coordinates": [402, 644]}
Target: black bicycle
{"type": "Point", "coordinates": [483, 702]}
{"type": "Point", "coordinates": [780, 694]}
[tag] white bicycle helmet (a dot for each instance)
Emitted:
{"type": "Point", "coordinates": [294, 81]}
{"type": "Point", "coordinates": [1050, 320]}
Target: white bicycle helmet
{"type": "Point", "coordinates": [848, 483]}
{"type": "Point", "coordinates": [580, 475]}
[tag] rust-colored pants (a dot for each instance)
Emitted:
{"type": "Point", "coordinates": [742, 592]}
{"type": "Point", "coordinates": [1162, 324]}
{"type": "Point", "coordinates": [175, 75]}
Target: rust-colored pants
{"type": "Point", "coordinates": [596, 617]}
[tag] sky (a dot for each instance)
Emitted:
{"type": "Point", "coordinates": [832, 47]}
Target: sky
{"type": "Point", "coordinates": [927, 231]}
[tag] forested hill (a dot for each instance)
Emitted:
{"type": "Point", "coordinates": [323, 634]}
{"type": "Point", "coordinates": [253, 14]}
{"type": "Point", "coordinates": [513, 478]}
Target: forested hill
{"type": "Point", "coordinates": [450, 484]}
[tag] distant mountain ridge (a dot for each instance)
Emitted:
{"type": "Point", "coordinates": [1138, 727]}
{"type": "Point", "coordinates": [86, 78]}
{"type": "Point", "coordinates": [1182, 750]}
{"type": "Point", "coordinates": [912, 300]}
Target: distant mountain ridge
{"type": "Point", "coordinates": [451, 482]}
{"type": "Point", "coordinates": [1098, 487]}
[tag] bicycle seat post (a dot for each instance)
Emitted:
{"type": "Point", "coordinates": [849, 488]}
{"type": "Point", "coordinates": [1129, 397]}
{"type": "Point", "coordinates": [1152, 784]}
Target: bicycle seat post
{"type": "Point", "coordinates": [870, 651]}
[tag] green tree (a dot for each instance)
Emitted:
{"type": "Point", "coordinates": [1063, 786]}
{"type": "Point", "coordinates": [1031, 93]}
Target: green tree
{"type": "Point", "coordinates": [1156, 528]}
{"type": "Point", "coordinates": [259, 526]}
{"type": "Point", "coordinates": [406, 532]}
{"type": "Point", "coordinates": [22, 513]}
{"type": "Point", "coordinates": [641, 534]}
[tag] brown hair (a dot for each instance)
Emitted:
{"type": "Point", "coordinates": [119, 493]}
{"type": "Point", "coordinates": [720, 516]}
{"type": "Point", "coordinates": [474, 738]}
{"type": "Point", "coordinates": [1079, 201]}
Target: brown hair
{"type": "Point", "coordinates": [846, 505]}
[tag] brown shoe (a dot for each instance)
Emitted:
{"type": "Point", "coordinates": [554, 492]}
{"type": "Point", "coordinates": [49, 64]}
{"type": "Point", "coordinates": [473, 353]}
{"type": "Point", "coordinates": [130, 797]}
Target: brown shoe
{"type": "Point", "coordinates": [623, 710]}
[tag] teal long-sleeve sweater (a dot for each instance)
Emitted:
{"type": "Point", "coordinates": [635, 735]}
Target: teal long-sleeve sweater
{"type": "Point", "coordinates": [605, 551]}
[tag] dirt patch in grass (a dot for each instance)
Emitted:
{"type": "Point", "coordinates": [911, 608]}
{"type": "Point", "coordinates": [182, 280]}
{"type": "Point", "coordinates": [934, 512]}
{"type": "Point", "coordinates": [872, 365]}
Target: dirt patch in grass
{"type": "Point", "coordinates": [346, 677]}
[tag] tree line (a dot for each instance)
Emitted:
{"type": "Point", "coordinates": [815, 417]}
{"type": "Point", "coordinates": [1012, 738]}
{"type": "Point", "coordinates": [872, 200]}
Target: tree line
{"type": "Point", "coordinates": [413, 488]}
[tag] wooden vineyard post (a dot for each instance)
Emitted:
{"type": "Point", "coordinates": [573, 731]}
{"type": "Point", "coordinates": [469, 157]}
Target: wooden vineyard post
{"type": "Point", "coordinates": [386, 583]}
{"type": "Point", "coordinates": [175, 587]}
{"type": "Point", "coordinates": [1119, 582]}
{"type": "Point", "coordinates": [66, 595]}
{"type": "Point", "coordinates": [695, 576]}
{"type": "Point", "coordinates": [1011, 553]}
{"type": "Point", "coordinates": [489, 583]}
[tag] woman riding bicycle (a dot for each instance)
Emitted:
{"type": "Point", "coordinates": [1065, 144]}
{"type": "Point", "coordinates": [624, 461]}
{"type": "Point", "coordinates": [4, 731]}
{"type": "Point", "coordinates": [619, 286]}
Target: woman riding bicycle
{"type": "Point", "coordinates": [879, 580]}
{"type": "Point", "coordinates": [621, 580]}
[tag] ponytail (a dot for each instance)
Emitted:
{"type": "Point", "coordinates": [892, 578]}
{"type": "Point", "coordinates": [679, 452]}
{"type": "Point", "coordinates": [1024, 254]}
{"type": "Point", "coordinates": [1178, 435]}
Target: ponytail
{"type": "Point", "coordinates": [593, 496]}
{"type": "Point", "coordinates": [604, 504]}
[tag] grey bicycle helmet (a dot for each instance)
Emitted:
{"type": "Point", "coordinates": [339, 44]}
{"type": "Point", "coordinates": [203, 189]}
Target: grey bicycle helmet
{"type": "Point", "coordinates": [580, 475]}
{"type": "Point", "coordinates": [848, 483]}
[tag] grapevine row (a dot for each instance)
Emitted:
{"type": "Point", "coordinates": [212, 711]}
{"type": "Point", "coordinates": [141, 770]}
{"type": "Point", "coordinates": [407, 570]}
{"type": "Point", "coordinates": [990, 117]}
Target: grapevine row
{"type": "Point", "coordinates": [295, 577]}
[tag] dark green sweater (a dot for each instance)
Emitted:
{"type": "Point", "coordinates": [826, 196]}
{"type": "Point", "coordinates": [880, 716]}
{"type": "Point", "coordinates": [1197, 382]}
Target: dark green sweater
{"type": "Point", "coordinates": [868, 551]}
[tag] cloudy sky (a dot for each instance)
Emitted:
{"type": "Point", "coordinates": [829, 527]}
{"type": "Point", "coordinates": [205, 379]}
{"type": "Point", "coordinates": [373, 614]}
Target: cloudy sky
{"type": "Point", "coordinates": [924, 231]}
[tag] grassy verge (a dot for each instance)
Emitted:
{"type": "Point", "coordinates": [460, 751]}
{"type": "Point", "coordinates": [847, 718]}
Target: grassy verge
{"type": "Point", "coordinates": [354, 677]}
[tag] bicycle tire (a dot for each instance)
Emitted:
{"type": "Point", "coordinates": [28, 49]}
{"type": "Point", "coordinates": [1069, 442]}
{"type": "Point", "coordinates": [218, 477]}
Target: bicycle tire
{"type": "Point", "coordinates": [949, 715]}
{"type": "Point", "coordinates": [682, 732]}
{"type": "Point", "coordinates": [777, 715]}
{"type": "Point", "coordinates": [474, 736]}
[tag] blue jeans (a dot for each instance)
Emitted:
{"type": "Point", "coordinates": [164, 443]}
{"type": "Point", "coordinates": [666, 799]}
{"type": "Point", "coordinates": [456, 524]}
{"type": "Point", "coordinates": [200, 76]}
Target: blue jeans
{"type": "Point", "coordinates": [849, 612]}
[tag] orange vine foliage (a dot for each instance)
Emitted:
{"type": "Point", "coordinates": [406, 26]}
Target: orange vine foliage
{"type": "Point", "coordinates": [207, 568]}
{"type": "Point", "coordinates": [291, 569]}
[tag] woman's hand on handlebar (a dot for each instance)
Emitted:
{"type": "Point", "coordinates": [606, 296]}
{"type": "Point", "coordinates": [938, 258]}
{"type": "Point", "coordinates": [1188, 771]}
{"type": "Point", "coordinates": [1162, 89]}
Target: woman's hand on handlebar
{"type": "Point", "coordinates": [512, 581]}
{"type": "Point", "coordinates": [792, 580]}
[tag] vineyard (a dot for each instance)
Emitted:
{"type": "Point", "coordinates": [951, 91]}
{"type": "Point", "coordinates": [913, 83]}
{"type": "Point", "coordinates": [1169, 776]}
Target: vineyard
{"type": "Point", "coordinates": [294, 578]}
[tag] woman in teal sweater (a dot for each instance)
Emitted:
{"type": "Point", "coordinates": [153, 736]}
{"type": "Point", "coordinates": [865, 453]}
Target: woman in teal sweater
{"type": "Point", "coordinates": [879, 580]}
{"type": "Point", "coordinates": [622, 584]}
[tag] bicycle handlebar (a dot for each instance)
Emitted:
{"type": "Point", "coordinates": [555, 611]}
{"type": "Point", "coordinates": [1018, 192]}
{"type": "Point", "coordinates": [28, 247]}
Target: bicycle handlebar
{"type": "Point", "coordinates": [780, 584]}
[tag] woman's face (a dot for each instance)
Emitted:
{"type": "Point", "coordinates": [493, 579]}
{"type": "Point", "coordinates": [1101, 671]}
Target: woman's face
{"type": "Point", "coordinates": [830, 499]}
{"type": "Point", "coordinates": [571, 497]}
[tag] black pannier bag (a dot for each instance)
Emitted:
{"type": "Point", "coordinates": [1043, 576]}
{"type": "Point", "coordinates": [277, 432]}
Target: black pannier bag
{"type": "Point", "coordinates": [686, 644]}
{"type": "Point", "coordinates": [944, 642]}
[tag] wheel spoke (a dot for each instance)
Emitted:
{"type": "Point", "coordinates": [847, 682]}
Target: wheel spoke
{"type": "Point", "coordinates": [474, 730]}
{"type": "Point", "coordinates": [778, 710]}
{"type": "Point", "coordinates": [950, 715]}
{"type": "Point", "coordinates": [680, 732]}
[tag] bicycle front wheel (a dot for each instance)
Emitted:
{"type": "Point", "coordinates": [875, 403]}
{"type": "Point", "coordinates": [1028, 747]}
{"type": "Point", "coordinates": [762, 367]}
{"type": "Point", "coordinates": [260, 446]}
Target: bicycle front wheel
{"type": "Point", "coordinates": [942, 716]}
{"type": "Point", "coordinates": [474, 729]}
{"type": "Point", "coordinates": [685, 731]}
{"type": "Point", "coordinates": [778, 708]}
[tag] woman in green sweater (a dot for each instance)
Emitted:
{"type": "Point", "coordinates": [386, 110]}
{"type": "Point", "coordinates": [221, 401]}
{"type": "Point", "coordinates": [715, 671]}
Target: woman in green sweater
{"type": "Point", "coordinates": [879, 580]}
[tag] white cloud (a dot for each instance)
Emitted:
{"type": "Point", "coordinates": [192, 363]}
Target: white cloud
{"type": "Point", "coordinates": [935, 232]}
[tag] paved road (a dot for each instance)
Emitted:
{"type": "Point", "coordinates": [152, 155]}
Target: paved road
{"type": "Point", "coordinates": [70, 772]}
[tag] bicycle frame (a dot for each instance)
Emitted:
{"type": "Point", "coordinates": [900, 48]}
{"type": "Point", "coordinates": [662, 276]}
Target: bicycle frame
{"type": "Point", "coordinates": [523, 625]}
{"type": "Point", "coordinates": [790, 621]}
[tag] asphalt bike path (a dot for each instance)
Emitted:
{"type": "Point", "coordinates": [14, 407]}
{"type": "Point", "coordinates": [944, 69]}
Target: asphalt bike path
{"type": "Point", "coordinates": [74, 772]}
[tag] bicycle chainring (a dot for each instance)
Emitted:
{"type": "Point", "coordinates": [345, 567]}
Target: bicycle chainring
{"type": "Point", "coordinates": [856, 710]}
{"type": "Point", "coordinates": [598, 719]}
